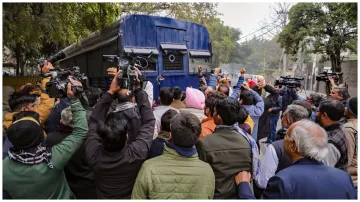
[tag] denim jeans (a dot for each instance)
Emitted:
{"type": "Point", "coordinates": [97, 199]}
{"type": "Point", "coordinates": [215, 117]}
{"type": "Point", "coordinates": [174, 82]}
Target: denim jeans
{"type": "Point", "coordinates": [272, 132]}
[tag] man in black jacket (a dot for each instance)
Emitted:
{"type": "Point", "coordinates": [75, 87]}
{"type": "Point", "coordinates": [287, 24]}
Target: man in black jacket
{"type": "Point", "coordinates": [93, 95]}
{"type": "Point", "coordinates": [269, 102]}
{"type": "Point", "coordinates": [274, 114]}
{"type": "Point", "coordinates": [114, 154]}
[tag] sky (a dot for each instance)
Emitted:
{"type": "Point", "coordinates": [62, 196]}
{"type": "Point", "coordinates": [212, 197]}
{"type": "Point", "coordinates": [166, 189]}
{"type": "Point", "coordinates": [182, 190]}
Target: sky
{"type": "Point", "coordinates": [248, 17]}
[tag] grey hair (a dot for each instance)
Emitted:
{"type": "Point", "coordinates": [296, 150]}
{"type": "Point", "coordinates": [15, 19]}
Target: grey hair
{"type": "Point", "coordinates": [297, 113]}
{"type": "Point", "coordinates": [311, 140]}
{"type": "Point", "coordinates": [66, 117]}
{"type": "Point", "coordinates": [343, 91]}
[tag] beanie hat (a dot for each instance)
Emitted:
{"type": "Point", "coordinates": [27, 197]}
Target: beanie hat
{"type": "Point", "coordinates": [25, 133]}
{"type": "Point", "coordinates": [252, 83]}
{"type": "Point", "coordinates": [352, 106]}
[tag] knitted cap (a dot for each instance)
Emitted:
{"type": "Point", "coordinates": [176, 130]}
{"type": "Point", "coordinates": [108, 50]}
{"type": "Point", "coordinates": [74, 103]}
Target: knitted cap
{"type": "Point", "coordinates": [25, 133]}
{"type": "Point", "coordinates": [352, 106]}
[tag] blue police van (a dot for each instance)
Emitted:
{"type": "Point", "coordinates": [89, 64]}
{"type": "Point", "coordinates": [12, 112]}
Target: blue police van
{"type": "Point", "coordinates": [167, 48]}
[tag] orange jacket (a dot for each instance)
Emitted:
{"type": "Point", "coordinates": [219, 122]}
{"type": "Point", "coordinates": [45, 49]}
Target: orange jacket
{"type": "Point", "coordinates": [208, 126]}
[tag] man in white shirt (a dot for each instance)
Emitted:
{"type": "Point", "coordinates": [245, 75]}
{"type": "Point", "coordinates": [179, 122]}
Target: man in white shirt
{"type": "Point", "coordinates": [165, 100]}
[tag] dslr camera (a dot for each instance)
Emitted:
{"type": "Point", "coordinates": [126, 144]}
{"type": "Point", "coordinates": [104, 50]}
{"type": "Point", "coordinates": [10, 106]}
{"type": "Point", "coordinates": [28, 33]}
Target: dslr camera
{"type": "Point", "coordinates": [127, 78]}
{"type": "Point", "coordinates": [57, 86]}
{"type": "Point", "coordinates": [324, 76]}
{"type": "Point", "coordinates": [290, 82]}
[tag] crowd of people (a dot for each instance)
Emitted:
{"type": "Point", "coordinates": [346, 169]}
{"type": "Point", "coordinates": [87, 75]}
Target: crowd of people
{"type": "Point", "coordinates": [195, 144]}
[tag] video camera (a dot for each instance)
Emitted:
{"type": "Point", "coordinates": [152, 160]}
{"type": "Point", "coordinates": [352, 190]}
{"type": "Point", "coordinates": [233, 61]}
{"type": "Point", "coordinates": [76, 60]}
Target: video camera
{"type": "Point", "coordinates": [290, 82]}
{"type": "Point", "coordinates": [324, 76]}
{"type": "Point", "coordinates": [128, 78]}
{"type": "Point", "coordinates": [57, 86]}
{"type": "Point", "coordinates": [58, 56]}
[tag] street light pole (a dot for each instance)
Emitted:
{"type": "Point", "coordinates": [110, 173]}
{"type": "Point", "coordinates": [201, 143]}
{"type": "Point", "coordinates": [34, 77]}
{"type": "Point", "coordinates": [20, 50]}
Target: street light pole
{"type": "Point", "coordinates": [284, 13]}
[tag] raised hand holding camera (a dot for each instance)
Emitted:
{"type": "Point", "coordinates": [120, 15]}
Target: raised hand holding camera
{"type": "Point", "coordinates": [56, 87]}
{"type": "Point", "coordinates": [246, 86]}
{"type": "Point", "coordinates": [114, 86]}
{"type": "Point", "coordinates": [72, 88]}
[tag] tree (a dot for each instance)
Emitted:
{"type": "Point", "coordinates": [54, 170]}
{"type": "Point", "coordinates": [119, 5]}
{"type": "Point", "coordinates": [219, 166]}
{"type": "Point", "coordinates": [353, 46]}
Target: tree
{"type": "Point", "coordinates": [32, 30]}
{"type": "Point", "coordinates": [321, 28]}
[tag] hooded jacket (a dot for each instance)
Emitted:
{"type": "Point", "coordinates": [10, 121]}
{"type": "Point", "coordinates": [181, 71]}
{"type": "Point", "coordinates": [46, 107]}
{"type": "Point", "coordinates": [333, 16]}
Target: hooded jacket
{"type": "Point", "coordinates": [115, 172]}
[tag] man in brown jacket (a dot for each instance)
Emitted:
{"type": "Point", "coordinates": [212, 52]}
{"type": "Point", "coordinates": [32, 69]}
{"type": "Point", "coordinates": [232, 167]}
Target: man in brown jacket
{"type": "Point", "coordinates": [176, 103]}
{"type": "Point", "coordinates": [350, 130]}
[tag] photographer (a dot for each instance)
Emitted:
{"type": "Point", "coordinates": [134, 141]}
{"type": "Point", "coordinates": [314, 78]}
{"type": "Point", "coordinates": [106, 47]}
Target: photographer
{"type": "Point", "coordinates": [288, 96]}
{"type": "Point", "coordinates": [33, 171]}
{"type": "Point", "coordinates": [114, 154]}
{"type": "Point", "coordinates": [338, 92]}
{"type": "Point", "coordinates": [314, 100]}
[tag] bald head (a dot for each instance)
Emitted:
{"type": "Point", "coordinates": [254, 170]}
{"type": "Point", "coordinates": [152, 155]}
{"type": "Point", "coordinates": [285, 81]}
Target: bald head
{"type": "Point", "coordinates": [260, 78]}
{"type": "Point", "coordinates": [311, 140]}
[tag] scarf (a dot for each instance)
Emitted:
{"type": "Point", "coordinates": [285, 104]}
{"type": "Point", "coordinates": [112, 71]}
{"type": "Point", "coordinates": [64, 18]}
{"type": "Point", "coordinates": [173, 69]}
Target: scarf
{"type": "Point", "coordinates": [125, 106]}
{"type": "Point", "coordinates": [186, 152]}
{"type": "Point", "coordinates": [32, 156]}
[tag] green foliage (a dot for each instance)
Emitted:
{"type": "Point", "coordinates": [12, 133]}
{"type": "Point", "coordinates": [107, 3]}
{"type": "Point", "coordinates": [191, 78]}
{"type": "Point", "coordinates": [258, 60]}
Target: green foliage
{"type": "Point", "coordinates": [32, 30]}
{"type": "Point", "coordinates": [321, 28]}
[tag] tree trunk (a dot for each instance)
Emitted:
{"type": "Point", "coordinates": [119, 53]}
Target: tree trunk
{"type": "Point", "coordinates": [22, 65]}
{"type": "Point", "coordinates": [333, 62]}
{"type": "Point", "coordinates": [17, 65]}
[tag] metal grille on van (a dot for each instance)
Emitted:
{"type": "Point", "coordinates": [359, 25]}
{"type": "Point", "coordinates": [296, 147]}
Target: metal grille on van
{"type": "Point", "coordinates": [173, 61]}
